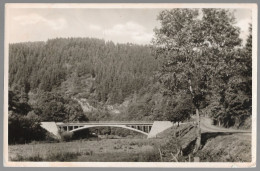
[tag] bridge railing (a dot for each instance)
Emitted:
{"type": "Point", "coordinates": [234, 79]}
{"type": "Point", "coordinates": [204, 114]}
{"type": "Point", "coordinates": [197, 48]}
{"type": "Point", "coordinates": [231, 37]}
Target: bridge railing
{"type": "Point", "coordinates": [113, 122]}
{"type": "Point", "coordinates": [105, 122]}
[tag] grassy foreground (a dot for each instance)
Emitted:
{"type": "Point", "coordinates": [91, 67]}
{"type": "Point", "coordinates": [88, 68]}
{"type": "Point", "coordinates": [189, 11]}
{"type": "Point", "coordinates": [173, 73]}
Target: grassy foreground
{"type": "Point", "coordinates": [216, 147]}
{"type": "Point", "coordinates": [105, 150]}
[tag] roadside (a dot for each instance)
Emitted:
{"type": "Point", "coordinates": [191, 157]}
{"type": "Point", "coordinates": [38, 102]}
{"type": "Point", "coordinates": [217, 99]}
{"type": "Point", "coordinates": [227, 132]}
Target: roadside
{"type": "Point", "coordinates": [206, 126]}
{"type": "Point", "coordinates": [217, 144]}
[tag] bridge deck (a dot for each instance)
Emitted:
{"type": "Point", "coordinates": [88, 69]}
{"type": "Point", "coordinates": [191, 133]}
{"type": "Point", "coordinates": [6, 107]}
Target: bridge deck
{"type": "Point", "coordinates": [103, 123]}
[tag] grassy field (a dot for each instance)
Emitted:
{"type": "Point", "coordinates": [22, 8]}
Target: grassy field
{"type": "Point", "coordinates": [102, 150]}
{"type": "Point", "coordinates": [215, 147]}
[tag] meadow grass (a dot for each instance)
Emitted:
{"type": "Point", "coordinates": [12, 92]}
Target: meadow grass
{"type": "Point", "coordinates": [102, 150]}
{"type": "Point", "coordinates": [60, 156]}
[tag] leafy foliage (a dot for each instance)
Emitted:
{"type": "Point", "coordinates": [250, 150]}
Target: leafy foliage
{"type": "Point", "coordinates": [23, 124]}
{"type": "Point", "coordinates": [24, 119]}
{"type": "Point", "coordinates": [59, 108]}
{"type": "Point", "coordinates": [200, 53]}
{"type": "Point", "coordinates": [179, 109]}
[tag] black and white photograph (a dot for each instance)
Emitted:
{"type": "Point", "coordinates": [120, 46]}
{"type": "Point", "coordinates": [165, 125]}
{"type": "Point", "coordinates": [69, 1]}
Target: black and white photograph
{"type": "Point", "coordinates": [130, 85]}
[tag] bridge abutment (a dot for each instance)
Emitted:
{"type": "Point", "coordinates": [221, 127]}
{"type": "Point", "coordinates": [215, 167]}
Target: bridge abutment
{"type": "Point", "coordinates": [52, 128]}
{"type": "Point", "coordinates": [158, 127]}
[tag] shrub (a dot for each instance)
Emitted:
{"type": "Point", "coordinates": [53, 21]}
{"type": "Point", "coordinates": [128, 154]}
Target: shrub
{"type": "Point", "coordinates": [149, 156]}
{"type": "Point", "coordinates": [132, 143]}
{"type": "Point", "coordinates": [23, 129]}
{"type": "Point", "coordinates": [66, 136]}
{"type": "Point", "coordinates": [51, 138]}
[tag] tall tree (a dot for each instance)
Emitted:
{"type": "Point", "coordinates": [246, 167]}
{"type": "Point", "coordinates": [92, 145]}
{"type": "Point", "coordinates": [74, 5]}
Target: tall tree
{"type": "Point", "coordinates": [191, 50]}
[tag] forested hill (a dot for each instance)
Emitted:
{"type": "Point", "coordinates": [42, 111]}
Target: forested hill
{"type": "Point", "coordinates": [101, 76]}
{"type": "Point", "coordinates": [72, 78]}
{"type": "Point", "coordinates": [118, 70]}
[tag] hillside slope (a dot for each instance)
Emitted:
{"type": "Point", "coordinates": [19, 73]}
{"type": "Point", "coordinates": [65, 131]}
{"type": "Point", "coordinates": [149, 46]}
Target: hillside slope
{"type": "Point", "coordinates": [217, 144]}
{"type": "Point", "coordinates": [226, 147]}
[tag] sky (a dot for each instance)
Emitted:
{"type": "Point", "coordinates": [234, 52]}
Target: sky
{"type": "Point", "coordinates": [117, 25]}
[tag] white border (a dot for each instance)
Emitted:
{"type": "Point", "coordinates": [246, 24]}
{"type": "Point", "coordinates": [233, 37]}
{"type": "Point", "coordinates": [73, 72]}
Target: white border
{"type": "Point", "coordinates": [251, 6]}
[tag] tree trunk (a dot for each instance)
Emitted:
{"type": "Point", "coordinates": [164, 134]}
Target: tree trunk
{"type": "Point", "coordinates": [219, 122]}
{"type": "Point", "coordinates": [198, 132]}
{"type": "Point", "coordinates": [175, 132]}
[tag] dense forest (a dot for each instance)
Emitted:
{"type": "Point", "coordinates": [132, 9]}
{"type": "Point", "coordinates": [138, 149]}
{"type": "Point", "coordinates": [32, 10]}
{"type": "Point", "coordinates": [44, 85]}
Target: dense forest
{"type": "Point", "coordinates": [192, 65]}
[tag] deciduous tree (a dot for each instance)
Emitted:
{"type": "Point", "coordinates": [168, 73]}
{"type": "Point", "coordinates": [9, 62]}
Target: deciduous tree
{"type": "Point", "coordinates": [193, 47]}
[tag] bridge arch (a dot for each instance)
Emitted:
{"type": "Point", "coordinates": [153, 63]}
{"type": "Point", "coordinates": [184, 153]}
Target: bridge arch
{"type": "Point", "coordinates": [117, 126]}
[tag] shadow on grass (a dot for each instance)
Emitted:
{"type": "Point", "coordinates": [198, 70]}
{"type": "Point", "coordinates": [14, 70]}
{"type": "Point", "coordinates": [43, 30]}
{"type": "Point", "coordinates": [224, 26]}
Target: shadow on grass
{"type": "Point", "coordinates": [208, 135]}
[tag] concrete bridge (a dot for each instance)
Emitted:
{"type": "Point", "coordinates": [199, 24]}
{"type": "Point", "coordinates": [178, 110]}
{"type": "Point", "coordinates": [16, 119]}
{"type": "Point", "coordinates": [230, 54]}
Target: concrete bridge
{"type": "Point", "coordinates": [151, 129]}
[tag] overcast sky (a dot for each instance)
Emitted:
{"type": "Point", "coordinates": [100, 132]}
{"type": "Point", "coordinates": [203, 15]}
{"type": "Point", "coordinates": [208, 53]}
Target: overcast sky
{"type": "Point", "coordinates": [118, 25]}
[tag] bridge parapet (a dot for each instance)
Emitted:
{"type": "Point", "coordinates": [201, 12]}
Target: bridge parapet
{"type": "Point", "coordinates": [106, 123]}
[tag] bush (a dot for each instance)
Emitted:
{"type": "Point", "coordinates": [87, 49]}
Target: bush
{"type": "Point", "coordinates": [150, 156]}
{"type": "Point", "coordinates": [132, 143]}
{"type": "Point", "coordinates": [23, 129]}
{"type": "Point", "coordinates": [66, 136]}
{"type": "Point", "coordinates": [50, 138]}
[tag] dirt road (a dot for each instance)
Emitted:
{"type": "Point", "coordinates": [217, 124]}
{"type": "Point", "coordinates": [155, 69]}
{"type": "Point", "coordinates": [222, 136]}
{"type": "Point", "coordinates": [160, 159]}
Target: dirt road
{"type": "Point", "coordinates": [206, 126]}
